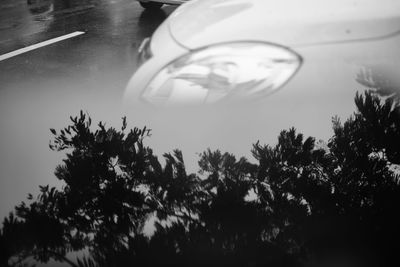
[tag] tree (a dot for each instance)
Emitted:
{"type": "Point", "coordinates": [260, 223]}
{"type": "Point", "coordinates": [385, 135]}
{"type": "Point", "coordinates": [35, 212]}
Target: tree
{"type": "Point", "coordinates": [366, 148]}
{"type": "Point", "coordinates": [301, 203]}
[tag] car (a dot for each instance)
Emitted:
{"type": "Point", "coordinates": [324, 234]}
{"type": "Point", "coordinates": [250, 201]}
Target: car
{"type": "Point", "coordinates": [219, 51]}
{"type": "Point", "coordinates": [251, 133]}
{"type": "Point", "coordinates": [156, 4]}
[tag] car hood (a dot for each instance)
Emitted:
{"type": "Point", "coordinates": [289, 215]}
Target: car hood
{"type": "Point", "coordinates": [288, 22]}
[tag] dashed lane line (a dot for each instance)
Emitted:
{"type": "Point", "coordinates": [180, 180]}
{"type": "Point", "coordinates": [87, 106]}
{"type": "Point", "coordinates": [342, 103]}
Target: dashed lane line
{"type": "Point", "coordinates": [39, 45]}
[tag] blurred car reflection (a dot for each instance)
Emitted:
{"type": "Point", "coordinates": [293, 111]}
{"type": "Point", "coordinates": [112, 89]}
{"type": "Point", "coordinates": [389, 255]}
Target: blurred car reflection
{"type": "Point", "coordinates": [214, 51]}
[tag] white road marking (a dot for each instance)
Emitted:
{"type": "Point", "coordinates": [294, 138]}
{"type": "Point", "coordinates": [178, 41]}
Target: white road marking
{"type": "Point", "coordinates": [38, 45]}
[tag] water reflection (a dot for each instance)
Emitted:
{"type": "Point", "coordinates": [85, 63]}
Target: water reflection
{"type": "Point", "coordinates": [65, 4]}
{"type": "Point", "coordinates": [40, 6]}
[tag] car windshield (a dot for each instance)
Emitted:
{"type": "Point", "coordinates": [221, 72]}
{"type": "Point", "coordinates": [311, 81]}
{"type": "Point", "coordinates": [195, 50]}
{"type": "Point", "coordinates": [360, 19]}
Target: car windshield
{"type": "Point", "coordinates": [283, 148]}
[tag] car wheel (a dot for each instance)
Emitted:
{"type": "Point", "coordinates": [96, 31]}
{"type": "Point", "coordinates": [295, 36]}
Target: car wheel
{"type": "Point", "coordinates": [151, 5]}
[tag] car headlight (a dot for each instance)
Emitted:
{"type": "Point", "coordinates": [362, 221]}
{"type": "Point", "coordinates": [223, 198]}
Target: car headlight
{"type": "Point", "coordinates": [225, 71]}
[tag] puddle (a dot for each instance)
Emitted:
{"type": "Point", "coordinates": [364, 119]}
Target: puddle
{"type": "Point", "coordinates": [40, 6]}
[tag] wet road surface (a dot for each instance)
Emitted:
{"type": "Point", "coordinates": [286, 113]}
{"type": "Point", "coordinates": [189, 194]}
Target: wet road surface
{"type": "Point", "coordinates": [41, 88]}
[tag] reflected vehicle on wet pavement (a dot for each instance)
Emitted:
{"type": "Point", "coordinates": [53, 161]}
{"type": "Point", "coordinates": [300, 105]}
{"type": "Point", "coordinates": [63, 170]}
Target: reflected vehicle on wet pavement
{"type": "Point", "coordinates": [261, 79]}
{"type": "Point", "coordinates": [219, 51]}
{"type": "Point", "coordinates": [155, 4]}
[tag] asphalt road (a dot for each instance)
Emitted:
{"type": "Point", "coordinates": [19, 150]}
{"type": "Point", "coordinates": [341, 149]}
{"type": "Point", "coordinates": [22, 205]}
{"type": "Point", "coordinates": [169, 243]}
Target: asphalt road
{"type": "Point", "coordinates": [41, 88]}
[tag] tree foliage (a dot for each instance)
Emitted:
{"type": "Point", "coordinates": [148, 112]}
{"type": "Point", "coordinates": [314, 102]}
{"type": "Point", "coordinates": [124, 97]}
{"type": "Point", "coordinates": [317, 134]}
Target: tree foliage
{"type": "Point", "coordinates": [303, 203]}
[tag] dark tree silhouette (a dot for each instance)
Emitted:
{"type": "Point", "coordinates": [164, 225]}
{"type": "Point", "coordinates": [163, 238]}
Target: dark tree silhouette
{"type": "Point", "coordinates": [303, 203]}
